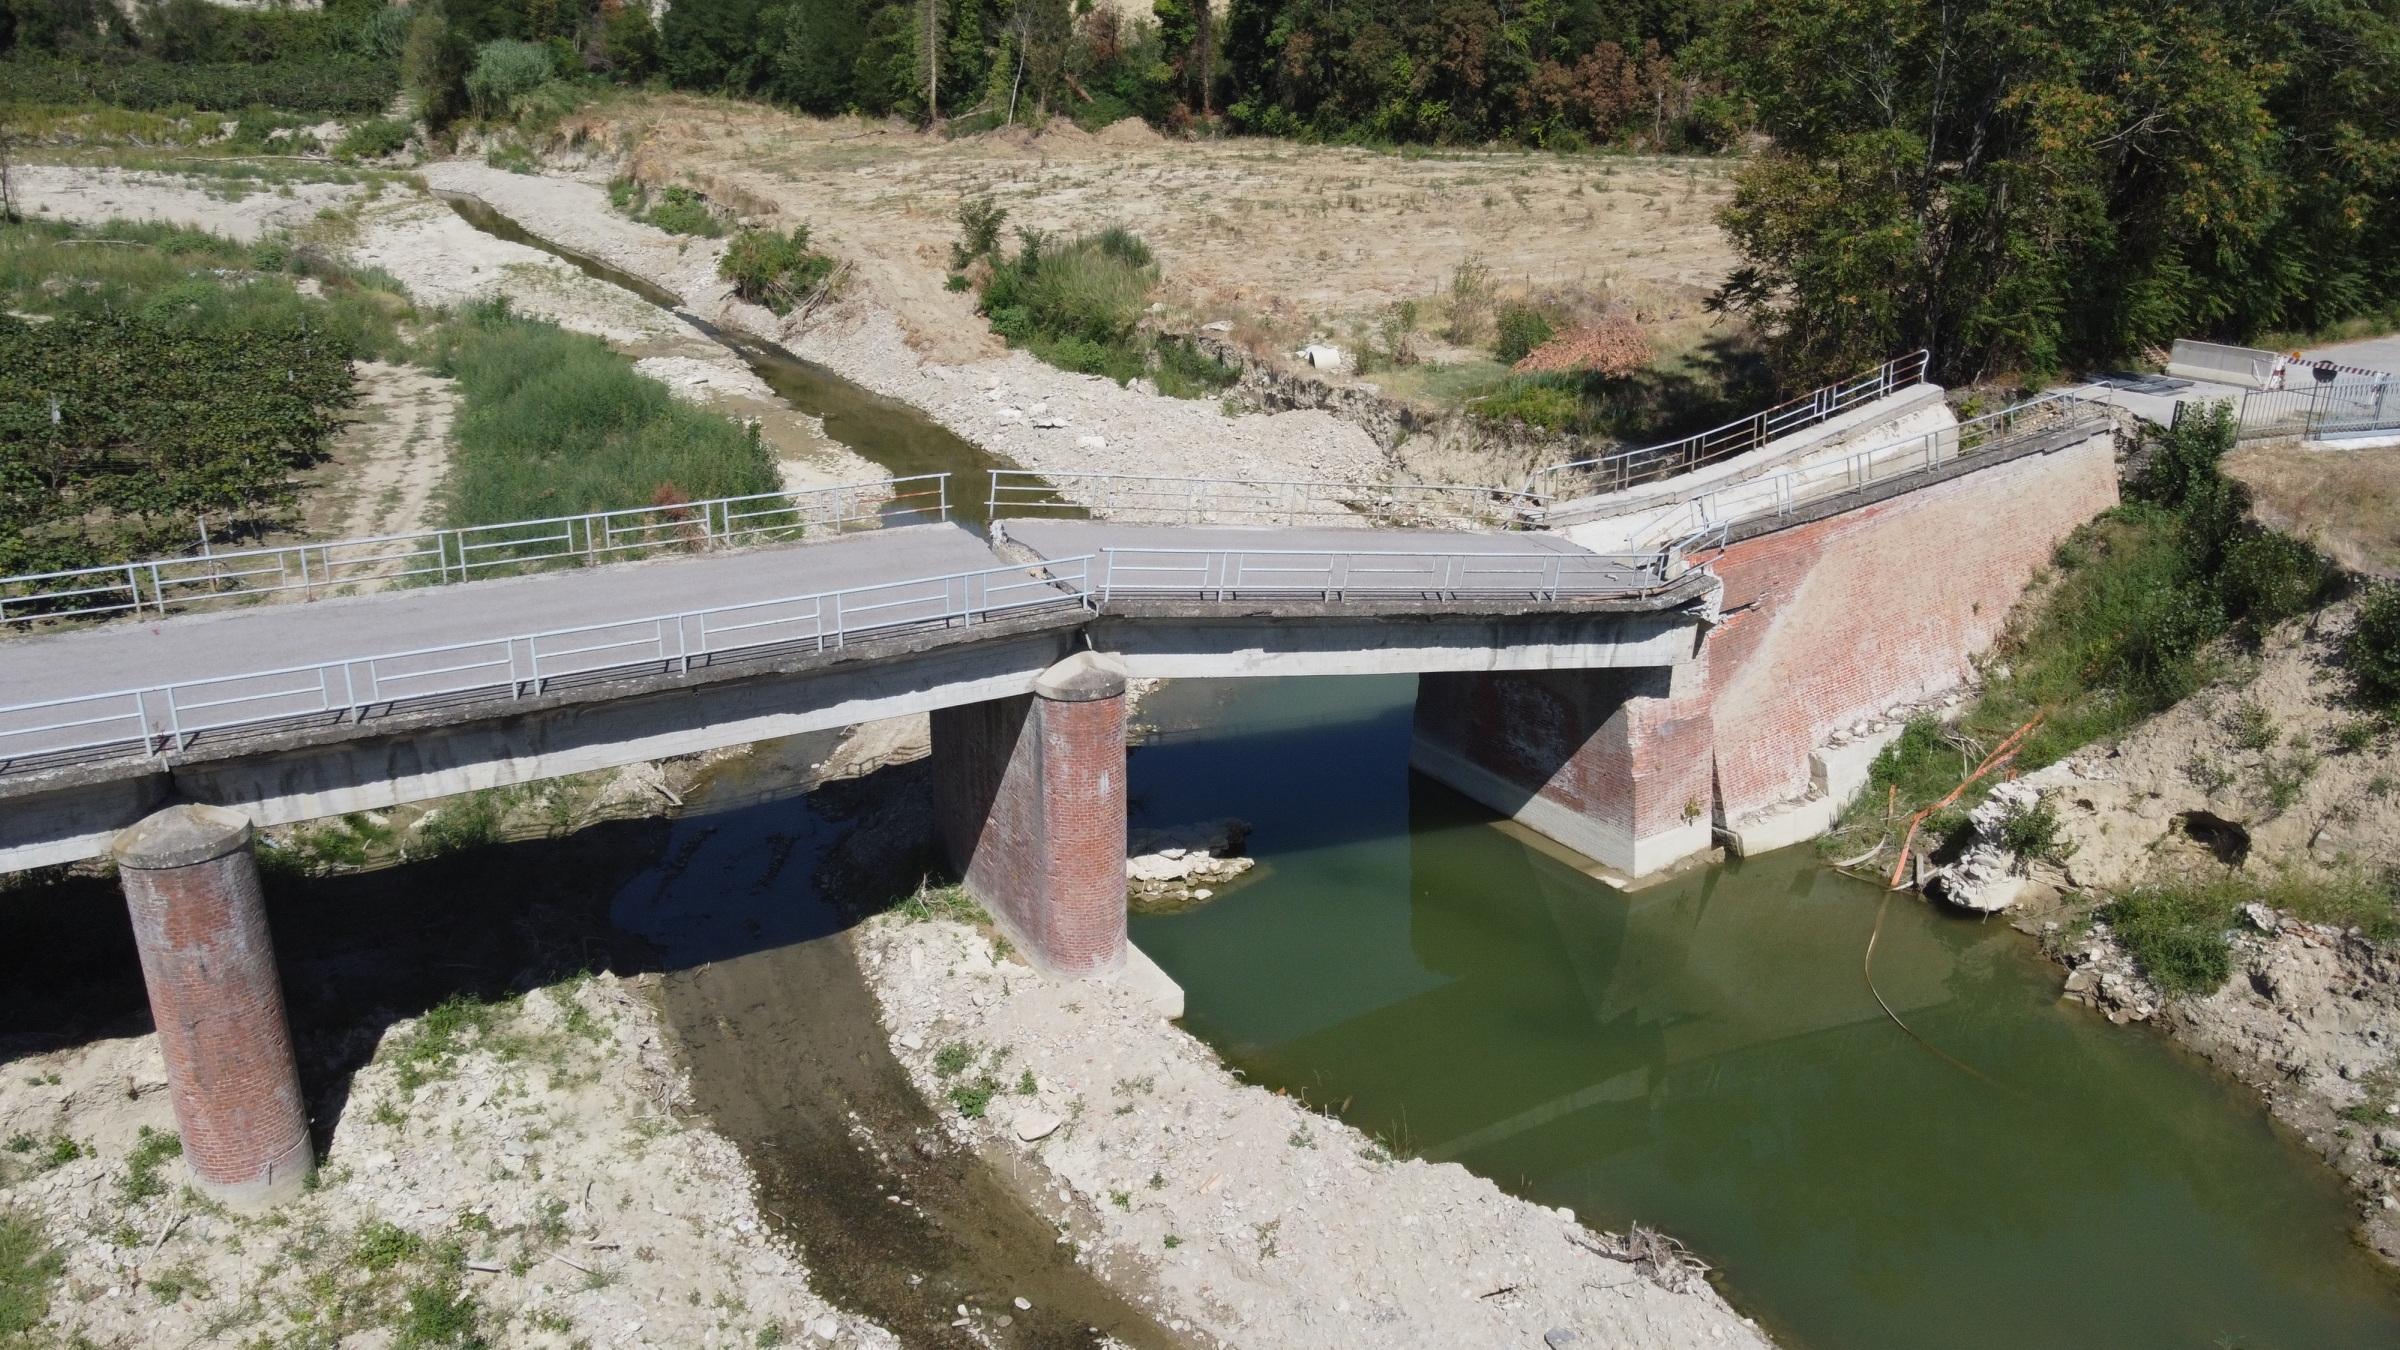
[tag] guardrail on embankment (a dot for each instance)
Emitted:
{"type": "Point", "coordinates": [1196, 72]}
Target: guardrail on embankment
{"type": "Point", "coordinates": [1622, 469]}
{"type": "Point", "coordinates": [1772, 496]}
{"type": "Point", "coordinates": [1171, 500]}
{"type": "Point", "coordinates": [426, 557]}
{"type": "Point", "coordinates": [158, 719]}
{"type": "Point", "coordinates": [2348, 407]}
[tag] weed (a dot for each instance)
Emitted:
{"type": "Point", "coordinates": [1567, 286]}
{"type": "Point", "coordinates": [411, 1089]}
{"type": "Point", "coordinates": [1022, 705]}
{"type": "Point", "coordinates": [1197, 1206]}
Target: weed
{"type": "Point", "coordinates": [2250, 725]}
{"type": "Point", "coordinates": [439, 1314]}
{"type": "Point", "coordinates": [379, 1246]}
{"type": "Point", "coordinates": [2359, 734]}
{"type": "Point", "coordinates": [151, 1150]}
{"type": "Point", "coordinates": [974, 1098]}
{"type": "Point", "coordinates": [29, 1272]}
{"type": "Point", "coordinates": [1171, 1242]}
{"type": "Point", "coordinates": [1158, 1181]}
{"type": "Point", "coordinates": [940, 902]}
{"type": "Point", "coordinates": [779, 271]}
{"type": "Point", "coordinates": [1026, 1086]}
{"type": "Point", "coordinates": [1121, 1199]}
{"type": "Point", "coordinates": [952, 1059]}
{"type": "Point", "coordinates": [173, 1283]}
{"type": "Point", "coordinates": [2031, 833]}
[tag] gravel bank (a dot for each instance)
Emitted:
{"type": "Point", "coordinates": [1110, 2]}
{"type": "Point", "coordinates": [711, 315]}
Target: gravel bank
{"type": "Point", "coordinates": [550, 1147]}
{"type": "Point", "coordinates": [1260, 1223]}
{"type": "Point", "coordinates": [993, 402]}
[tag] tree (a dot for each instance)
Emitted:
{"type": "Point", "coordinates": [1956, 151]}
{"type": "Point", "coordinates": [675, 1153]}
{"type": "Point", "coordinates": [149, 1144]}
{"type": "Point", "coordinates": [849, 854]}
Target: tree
{"type": "Point", "coordinates": [816, 65]}
{"type": "Point", "coordinates": [2029, 184]}
{"type": "Point", "coordinates": [433, 64]}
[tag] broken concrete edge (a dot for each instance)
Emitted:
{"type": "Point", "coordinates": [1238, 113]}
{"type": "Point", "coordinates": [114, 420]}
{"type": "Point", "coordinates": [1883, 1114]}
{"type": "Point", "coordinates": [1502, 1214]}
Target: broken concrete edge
{"type": "Point", "coordinates": [1085, 677]}
{"type": "Point", "coordinates": [181, 836]}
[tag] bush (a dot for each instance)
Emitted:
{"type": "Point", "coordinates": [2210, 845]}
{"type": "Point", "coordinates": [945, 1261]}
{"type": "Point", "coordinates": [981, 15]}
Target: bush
{"type": "Point", "coordinates": [2031, 832]}
{"type": "Point", "coordinates": [2373, 649]}
{"type": "Point", "coordinates": [1184, 371]}
{"type": "Point", "coordinates": [504, 70]}
{"type": "Point", "coordinates": [1537, 403]}
{"type": "Point", "coordinates": [433, 64]}
{"type": "Point", "coordinates": [979, 222]}
{"type": "Point", "coordinates": [2176, 933]}
{"type": "Point", "coordinates": [2269, 577]}
{"type": "Point", "coordinates": [683, 211]}
{"type": "Point", "coordinates": [375, 138]}
{"type": "Point", "coordinates": [1521, 329]}
{"type": "Point", "coordinates": [334, 84]}
{"type": "Point", "coordinates": [775, 270]}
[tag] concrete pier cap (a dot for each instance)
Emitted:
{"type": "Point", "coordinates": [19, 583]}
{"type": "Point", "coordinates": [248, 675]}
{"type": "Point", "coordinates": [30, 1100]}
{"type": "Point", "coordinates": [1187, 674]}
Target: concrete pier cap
{"type": "Point", "coordinates": [208, 962]}
{"type": "Point", "coordinates": [1085, 677]}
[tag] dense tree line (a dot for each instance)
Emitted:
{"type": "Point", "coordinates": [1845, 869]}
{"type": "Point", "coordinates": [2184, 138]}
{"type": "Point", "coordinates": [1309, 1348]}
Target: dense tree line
{"type": "Point", "coordinates": [2029, 185]}
{"type": "Point", "coordinates": [2020, 185]}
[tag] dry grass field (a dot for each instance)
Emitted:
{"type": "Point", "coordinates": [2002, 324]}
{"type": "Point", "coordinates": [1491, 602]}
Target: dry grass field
{"type": "Point", "coordinates": [1286, 240]}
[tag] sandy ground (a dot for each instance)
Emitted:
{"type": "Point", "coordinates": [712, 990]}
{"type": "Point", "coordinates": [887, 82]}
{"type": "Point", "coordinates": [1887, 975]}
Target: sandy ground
{"type": "Point", "coordinates": [387, 461]}
{"type": "Point", "coordinates": [996, 400]}
{"type": "Point", "coordinates": [83, 193]}
{"type": "Point", "coordinates": [1298, 238]}
{"type": "Point", "coordinates": [586, 1208]}
{"type": "Point", "coordinates": [1260, 1223]}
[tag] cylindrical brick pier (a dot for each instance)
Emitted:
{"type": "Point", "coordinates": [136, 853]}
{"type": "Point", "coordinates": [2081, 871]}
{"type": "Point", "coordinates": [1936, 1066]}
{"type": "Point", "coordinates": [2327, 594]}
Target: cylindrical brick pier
{"type": "Point", "coordinates": [1031, 795]}
{"type": "Point", "coordinates": [201, 926]}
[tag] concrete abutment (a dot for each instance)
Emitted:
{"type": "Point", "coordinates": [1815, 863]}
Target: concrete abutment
{"type": "Point", "coordinates": [1030, 795]}
{"type": "Point", "coordinates": [1610, 763]}
{"type": "Point", "coordinates": [208, 961]}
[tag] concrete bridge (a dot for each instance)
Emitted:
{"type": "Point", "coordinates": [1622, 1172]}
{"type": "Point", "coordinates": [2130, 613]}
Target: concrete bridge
{"type": "Point", "coordinates": [1635, 684]}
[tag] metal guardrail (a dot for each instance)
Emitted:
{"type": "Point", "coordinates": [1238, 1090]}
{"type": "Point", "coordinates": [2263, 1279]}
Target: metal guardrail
{"type": "Point", "coordinates": [165, 717]}
{"type": "Point", "coordinates": [1783, 494]}
{"type": "Point", "coordinates": [1234, 574]}
{"type": "Point", "coordinates": [1163, 499]}
{"type": "Point", "coordinates": [1625, 468]}
{"type": "Point", "coordinates": [2341, 408]}
{"type": "Point", "coordinates": [457, 554]}
{"type": "Point", "coordinates": [159, 719]}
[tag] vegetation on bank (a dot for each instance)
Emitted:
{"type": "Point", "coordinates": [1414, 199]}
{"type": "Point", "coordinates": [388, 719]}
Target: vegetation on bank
{"type": "Point", "coordinates": [2134, 617]}
{"type": "Point", "coordinates": [2144, 607]}
{"type": "Point", "coordinates": [150, 376]}
{"type": "Point", "coordinates": [677, 210]}
{"type": "Point", "coordinates": [554, 423]}
{"type": "Point", "coordinates": [775, 269]}
{"type": "Point", "coordinates": [1078, 303]}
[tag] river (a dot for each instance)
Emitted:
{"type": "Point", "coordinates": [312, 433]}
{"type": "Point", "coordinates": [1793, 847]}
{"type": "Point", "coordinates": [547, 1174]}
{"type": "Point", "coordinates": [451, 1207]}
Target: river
{"type": "Point", "coordinates": [1703, 1056]}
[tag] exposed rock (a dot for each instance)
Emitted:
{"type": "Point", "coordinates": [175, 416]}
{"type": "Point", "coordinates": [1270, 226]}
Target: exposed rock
{"type": "Point", "coordinates": [1169, 868]}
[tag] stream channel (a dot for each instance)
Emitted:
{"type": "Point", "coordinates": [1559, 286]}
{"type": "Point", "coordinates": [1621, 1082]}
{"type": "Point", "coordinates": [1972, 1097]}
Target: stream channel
{"type": "Point", "coordinates": [1701, 1055]}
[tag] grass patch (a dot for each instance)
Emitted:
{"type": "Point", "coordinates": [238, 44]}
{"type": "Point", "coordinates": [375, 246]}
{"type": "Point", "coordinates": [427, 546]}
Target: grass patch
{"type": "Point", "coordinates": [2177, 932]}
{"type": "Point", "coordinates": [30, 1266]}
{"type": "Point", "coordinates": [940, 902]}
{"type": "Point", "coordinates": [1079, 303]}
{"type": "Point", "coordinates": [430, 1050]}
{"type": "Point", "coordinates": [554, 423]}
{"type": "Point", "coordinates": [151, 1151]}
{"type": "Point", "coordinates": [676, 209]}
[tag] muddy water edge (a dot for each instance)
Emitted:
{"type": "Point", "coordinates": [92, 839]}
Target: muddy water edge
{"type": "Point", "coordinates": [787, 1057]}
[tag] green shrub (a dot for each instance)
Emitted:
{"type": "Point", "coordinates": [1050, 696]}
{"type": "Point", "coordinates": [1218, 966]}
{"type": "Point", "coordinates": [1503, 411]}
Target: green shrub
{"type": "Point", "coordinates": [2269, 577]}
{"type": "Point", "coordinates": [503, 70]}
{"type": "Point", "coordinates": [323, 84]}
{"type": "Point", "coordinates": [2372, 651]}
{"type": "Point", "coordinates": [683, 211]}
{"type": "Point", "coordinates": [1521, 329]}
{"type": "Point", "coordinates": [433, 63]}
{"type": "Point", "coordinates": [375, 138]}
{"type": "Point", "coordinates": [1535, 402]}
{"type": "Point", "coordinates": [2032, 832]}
{"type": "Point", "coordinates": [979, 222]}
{"type": "Point", "coordinates": [775, 270]}
{"type": "Point", "coordinates": [1184, 371]}
{"type": "Point", "coordinates": [2176, 932]}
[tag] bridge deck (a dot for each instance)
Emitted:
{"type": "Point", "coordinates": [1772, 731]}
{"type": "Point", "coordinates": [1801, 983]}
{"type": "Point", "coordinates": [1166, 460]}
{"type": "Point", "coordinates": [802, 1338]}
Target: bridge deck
{"type": "Point", "coordinates": [128, 655]}
{"type": "Point", "coordinates": [1072, 538]}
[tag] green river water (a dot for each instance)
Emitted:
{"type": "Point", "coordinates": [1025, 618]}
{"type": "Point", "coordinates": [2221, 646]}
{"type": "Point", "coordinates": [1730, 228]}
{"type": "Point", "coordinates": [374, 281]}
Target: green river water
{"type": "Point", "coordinates": [1704, 1056]}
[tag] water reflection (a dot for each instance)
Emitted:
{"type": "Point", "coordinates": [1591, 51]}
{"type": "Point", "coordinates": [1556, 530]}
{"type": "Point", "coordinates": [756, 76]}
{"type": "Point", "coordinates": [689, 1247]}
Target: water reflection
{"type": "Point", "coordinates": [1704, 1056]}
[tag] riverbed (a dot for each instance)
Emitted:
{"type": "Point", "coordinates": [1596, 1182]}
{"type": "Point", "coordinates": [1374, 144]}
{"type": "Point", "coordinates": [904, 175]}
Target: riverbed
{"type": "Point", "coordinates": [1704, 1056]}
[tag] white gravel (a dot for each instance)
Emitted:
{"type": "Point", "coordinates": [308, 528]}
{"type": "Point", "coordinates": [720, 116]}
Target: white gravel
{"type": "Point", "coordinates": [1260, 1223]}
{"type": "Point", "coordinates": [995, 403]}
